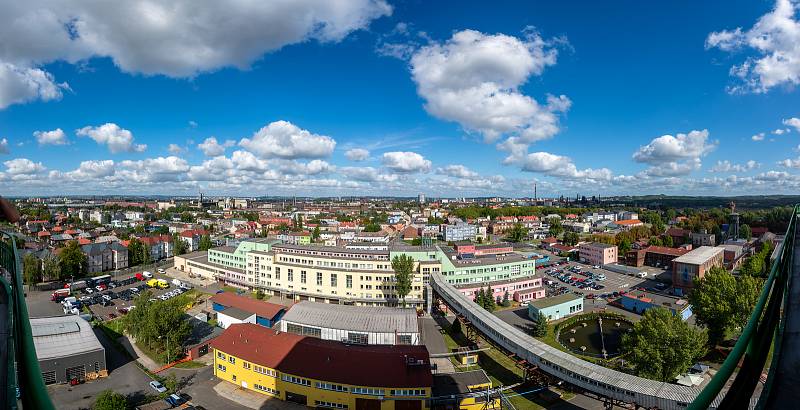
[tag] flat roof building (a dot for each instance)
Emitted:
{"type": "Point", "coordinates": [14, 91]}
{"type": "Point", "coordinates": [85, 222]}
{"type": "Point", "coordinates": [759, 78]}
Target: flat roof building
{"type": "Point", "coordinates": [693, 265]}
{"type": "Point", "coordinates": [556, 307]}
{"type": "Point", "coordinates": [374, 325]}
{"type": "Point", "coordinates": [67, 349]}
{"type": "Point", "coordinates": [598, 253]}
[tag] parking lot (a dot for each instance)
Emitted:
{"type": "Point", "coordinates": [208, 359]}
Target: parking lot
{"type": "Point", "coordinates": [111, 300]}
{"type": "Point", "coordinates": [562, 277]}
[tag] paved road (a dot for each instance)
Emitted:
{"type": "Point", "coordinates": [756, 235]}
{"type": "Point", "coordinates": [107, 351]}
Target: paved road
{"type": "Point", "coordinates": [432, 336]}
{"type": "Point", "coordinates": [124, 377]}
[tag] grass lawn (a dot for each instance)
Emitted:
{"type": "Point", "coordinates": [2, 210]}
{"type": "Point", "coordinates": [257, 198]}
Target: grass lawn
{"type": "Point", "coordinates": [190, 365]}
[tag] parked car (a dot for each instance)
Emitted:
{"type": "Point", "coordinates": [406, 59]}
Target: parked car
{"type": "Point", "coordinates": [139, 276]}
{"type": "Point", "coordinates": [148, 275]}
{"type": "Point", "coordinates": [174, 400]}
{"type": "Point", "coordinates": [157, 386]}
{"type": "Point", "coordinates": [161, 270]}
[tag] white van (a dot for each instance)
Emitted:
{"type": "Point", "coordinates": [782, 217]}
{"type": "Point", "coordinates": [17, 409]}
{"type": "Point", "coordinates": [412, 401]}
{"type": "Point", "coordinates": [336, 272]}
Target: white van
{"type": "Point", "coordinates": [641, 275]}
{"type": "Point", "coordinates": [177, 282]}
{"type": "Point", "coordinates": [69, 301]}
{"type": "Point", "coordinates": [147, 274]}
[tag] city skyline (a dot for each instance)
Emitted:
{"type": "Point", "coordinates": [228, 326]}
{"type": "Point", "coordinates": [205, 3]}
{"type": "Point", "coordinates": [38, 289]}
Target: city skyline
{"type": "Point", "coordinates": [374, 98]}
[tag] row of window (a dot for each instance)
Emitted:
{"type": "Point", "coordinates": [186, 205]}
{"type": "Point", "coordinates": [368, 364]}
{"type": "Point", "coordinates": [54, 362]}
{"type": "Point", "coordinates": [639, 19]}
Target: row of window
{"type": "Point", "coordinates": [329, 405]}
{"type": "Point", "coordinates": [408, 392]}
{"type": "Point", "coordinates": [330, 386]}
{"type": "Point", "coordinates": [368, 391]}
{"type": "Point", "coordinates": [267, 389]}
{"type": "Point", "coordinates": [295, 380]}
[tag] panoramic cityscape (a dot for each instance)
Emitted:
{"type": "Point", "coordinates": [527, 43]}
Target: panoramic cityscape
{"type": "Point", "coordinates": [377, 205]}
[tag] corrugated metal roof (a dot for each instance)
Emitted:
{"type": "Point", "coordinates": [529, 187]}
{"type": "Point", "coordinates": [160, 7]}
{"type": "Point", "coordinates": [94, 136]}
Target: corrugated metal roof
{"type": "Point", "coordinates": [62, 336]}
{"type": "Point", "coordinates": [356, 318]}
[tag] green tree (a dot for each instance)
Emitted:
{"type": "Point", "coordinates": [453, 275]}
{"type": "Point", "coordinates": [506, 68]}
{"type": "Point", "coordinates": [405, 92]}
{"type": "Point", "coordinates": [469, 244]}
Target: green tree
{"type": "Point", "coordinates": [668, 241]}
{"type": "Point", "coordinates": [51, 268]}
{"type": "Point", "coordinates": [624, 246]}
{"type": "Point", "coordinates": [31, 269]}
{"type": "Point", "coordinates": [662, 346]}
{"type": "Point", "coordinates": [403, 266]}
{"type": "Point", "coordinates": [159, 324]}
{"type": "Point", "coordinates": [490, 303]}
{"type": "Point", "coordinates": [260, 294]}
{"type": "Point", "coordinates": [655, 241]}
{"type": "Point", "coordinates": [315, 234]}
{"type": "Point", "coordinates": [540, 327]}
{"type": "Point", "coordinates": [506, 301]}
{"type": "Point", "coordinates": [745, 232]}
{"type": "Point", "coordinates": [571, 238]}
{"type": "Point", "coordinates": [721, 303]}
{"type": "Point", "coordinates": [110, 400]}
{"type": "Point", "coordinates": [187, 217]}
{"type": "Point", "coordinates": [138, 252]}
{"type": "Point", "coordinates": [372, 227]}
{"type": "Point", "coordinates": [205, 243]}
{"type": "Point", "coordinates": [72, 260]}
{"type": "Point", "coordinates": [178, 245]}
{"type": "Point", "coordinates": [517, 233]}
{"type": "Point", "coordinates": [555, 227]}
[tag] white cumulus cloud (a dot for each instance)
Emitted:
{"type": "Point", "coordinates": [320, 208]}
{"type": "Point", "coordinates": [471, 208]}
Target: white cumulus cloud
{"type": "Point", "coordinates": [112, 135]}
{"type": "Point", "coordinates": [23, 166]}
{"type": "Point", "coordinates": [54, 137]}
{"type": "Point", "coordinates": [793, 122]}
{"type": "Point", "coordinates": [474, 78]}
{"type": "Point", "coordinates": [282, 139]}
{"type": "Point", "coordinates": [25, 84]}
{"type": "Point", "coordinates": [212, 148]}
{"type": "Point", "coordinates": [357, 154]}
{"type": "Point", "coordinates": [404, 161]}
{"type": "Point", "coordinates": [775, 39]}
{"type": "Point", "coordinates": [727, 166]}
{"type": "Point", "coordinates": [457, 171]}
{"type": "Point", "coordinates": [561, 166]}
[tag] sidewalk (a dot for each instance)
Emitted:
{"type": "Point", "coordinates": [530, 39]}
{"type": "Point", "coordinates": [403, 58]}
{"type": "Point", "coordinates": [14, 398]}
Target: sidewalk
{"type": "Point", "coordinates": [251, 399]}
{"type": "Point", "coordinates": [137, 354]}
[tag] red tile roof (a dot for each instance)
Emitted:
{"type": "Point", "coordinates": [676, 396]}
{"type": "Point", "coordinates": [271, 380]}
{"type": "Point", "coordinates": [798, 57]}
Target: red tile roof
{"type": "Point", "coordinates": [327, 360]}
{"type": "Point", "coordinates": [42, 234]}
{"type": "Point", "coordinates": [263, 309]}
{"type": "Point", "coordinates": [550, 239]}
{"type": "Point", "coordinates": [629, 222]}
{"type": "Point", "coordinates": [83, 241]}
{"type": "Point", "coordinates": [666, 251]}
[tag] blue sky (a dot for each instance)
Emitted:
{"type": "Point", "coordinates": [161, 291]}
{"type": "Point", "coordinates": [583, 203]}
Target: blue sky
{"type": "Point", "coordinates": [447, 98]}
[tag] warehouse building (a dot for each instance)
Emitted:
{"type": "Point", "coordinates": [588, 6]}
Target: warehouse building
{"type": "Point", "coordinates": [67, 349]}
{"type": "Point", "coordinates": [375, 325]}
{"type": "Point", "coordinates": [323, 373]}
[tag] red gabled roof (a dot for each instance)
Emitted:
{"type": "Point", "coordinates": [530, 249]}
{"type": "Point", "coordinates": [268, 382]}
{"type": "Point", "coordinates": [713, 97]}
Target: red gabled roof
{"type": "Point", "coordinates": [124, 243]}
{"type": "Point", "coordinates": [628, 222]}
{"type": "Point", "coordinates": [83, 241]}
{"type": "Point", "coordinates": [260, 308]}
{"type": "Point", "coordinates": [550, 239]}
{"type": "Point", "coordinates": [42, 234]}
{"type": "Point", "coordinates": [327, 360]}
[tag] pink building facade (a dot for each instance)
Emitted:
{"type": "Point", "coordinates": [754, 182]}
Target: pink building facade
{"type": "Point", "coordinates": [520, 290]}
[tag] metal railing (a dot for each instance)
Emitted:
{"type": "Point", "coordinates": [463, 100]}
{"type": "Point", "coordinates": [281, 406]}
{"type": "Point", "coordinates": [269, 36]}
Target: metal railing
{"type": "Point", "coordinates": [757, 338]}
{"type": "Point", "coordinates": [24, 377]}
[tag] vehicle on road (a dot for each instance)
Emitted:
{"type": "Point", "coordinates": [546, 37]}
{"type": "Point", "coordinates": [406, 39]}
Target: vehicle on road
{"type": "Point", "coordinates": [77, 285]}
{"type": "Point", "coordinates": [59, 295]}
{"type": "Point", "coordinates": [161, 271]}
{"type": "Point", "coordinates": [148, 275]}
{"type": "Point", "coordinates": [157, 386]}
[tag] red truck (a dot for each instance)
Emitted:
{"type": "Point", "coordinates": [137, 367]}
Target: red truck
{"type": "Point", "coordinates": [139, 276]}
{"type": "Point", "coordinates": [59, 295]}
